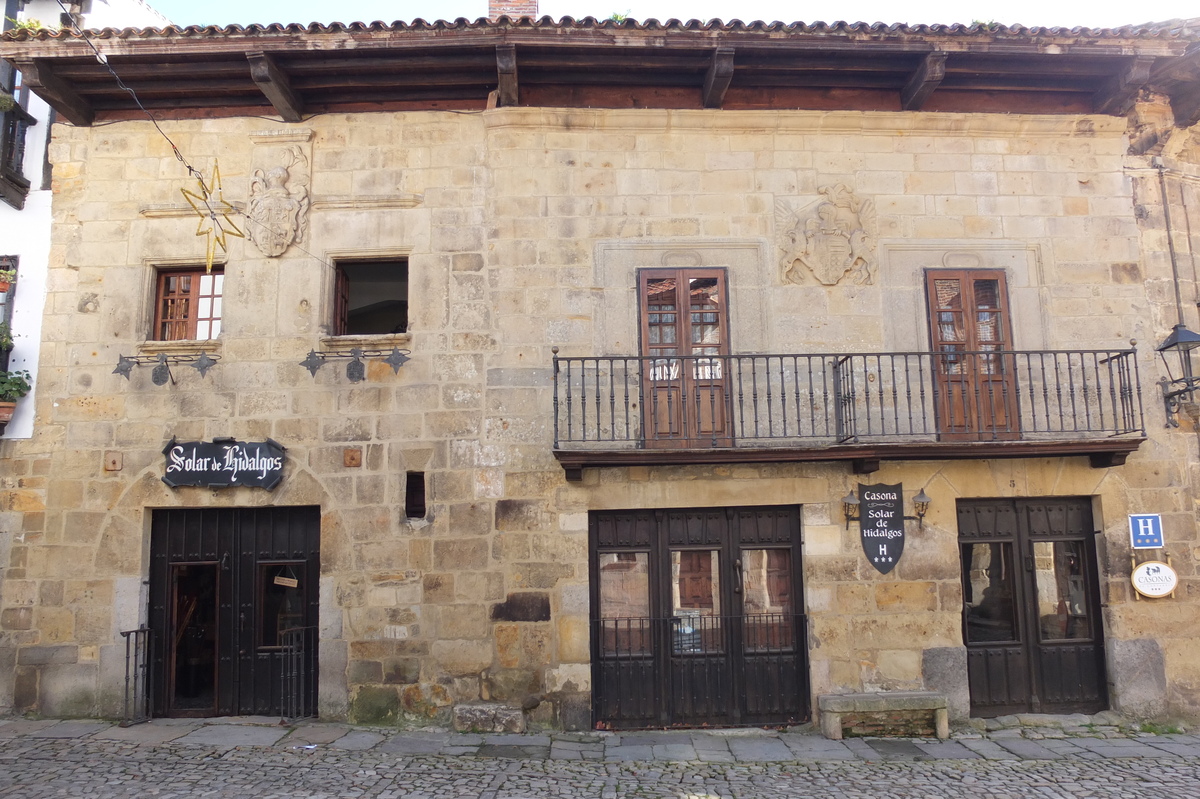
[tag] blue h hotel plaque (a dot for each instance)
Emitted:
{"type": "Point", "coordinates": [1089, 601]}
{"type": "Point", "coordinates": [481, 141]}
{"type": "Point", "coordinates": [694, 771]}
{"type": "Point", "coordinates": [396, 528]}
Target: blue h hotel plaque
{"type": "Point", "coordinates": [1145, 531]}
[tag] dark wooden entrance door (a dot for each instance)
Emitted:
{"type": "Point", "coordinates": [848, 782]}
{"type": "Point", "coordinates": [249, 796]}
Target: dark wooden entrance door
{"type": "Point", "coordinates": [685, 332]}
{"type": "Point", "coordinates": [224, 585]}
{"type": "Point", "coordinates": [970, 331]}
{"type": "Point", "coordinates": [1031, 606]}
{"type": "Point", "coordinates": [697, 617]}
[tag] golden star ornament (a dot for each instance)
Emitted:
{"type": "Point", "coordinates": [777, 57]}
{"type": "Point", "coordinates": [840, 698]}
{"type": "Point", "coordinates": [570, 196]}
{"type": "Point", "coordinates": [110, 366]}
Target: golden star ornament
{"type": "Point", "coordinates": [214, 211]}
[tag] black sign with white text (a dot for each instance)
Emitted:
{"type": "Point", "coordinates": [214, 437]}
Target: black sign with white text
{"type": "Point", "coordinates": [224, 462]}
{"type": "Point", "coordinates": [881, 524]}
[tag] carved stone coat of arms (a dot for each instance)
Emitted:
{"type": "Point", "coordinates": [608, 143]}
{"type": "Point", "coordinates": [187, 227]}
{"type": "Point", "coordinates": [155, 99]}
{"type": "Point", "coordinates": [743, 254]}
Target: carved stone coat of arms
{"type": "Point", "coordinates": [827, 239]}
{"type": "Point", "coordinates": [278, 207]}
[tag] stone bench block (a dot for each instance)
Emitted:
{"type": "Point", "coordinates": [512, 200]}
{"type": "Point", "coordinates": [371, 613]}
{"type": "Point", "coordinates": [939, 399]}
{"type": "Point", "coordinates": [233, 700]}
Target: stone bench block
{"type": "Point", "coordinates": [488, 717]}
{"type": "Point", "coordinates": [833, 707]}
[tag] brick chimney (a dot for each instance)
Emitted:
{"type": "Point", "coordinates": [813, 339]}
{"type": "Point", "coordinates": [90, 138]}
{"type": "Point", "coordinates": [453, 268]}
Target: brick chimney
{"type": "Point", "coordinates": [513, 8]}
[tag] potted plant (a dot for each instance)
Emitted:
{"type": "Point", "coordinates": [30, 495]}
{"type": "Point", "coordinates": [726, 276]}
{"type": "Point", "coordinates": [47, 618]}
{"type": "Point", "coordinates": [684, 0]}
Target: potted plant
{"type": "Point", "coordinates": [13, 386]}
{"type": "Point", "coordinates": [6, 337]}
{"type": "Point", "coordinates": [7, 278]}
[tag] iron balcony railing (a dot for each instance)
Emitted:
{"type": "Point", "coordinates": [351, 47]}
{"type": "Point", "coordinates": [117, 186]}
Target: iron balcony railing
{"type": "Point", "coordinates": [818, 400]}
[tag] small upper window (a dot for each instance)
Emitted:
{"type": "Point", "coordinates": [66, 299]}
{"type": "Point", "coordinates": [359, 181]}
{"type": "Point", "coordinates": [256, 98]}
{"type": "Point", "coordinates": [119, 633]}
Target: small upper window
{"type": "Point", "coordinates": [371, 298]}
{"type": "Point", "coordinates": [188, 305]}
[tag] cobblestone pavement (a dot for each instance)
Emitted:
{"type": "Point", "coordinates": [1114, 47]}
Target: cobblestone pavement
{"type": "Point", "coordinates": [255, 757]}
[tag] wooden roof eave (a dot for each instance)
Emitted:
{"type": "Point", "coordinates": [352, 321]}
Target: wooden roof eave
{"type": "Point", "coordinates": [65, 72]}
{"type": "Point", "coordinates": [117, 43]}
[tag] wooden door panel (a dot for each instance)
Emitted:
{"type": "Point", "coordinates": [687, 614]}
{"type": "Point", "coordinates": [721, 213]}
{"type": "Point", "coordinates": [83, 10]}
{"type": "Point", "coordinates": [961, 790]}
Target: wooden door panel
{"type": "Point", "coordinates": [710, 413]}
{"type": "Point", "coordinates": [683, 321]}
{"type": "Point", "coordinates": [999, 680]}
{"type": "Point", "coordinates": [233, 542]}
{"type": "Point", "coordinates": [666, 403]}
{"type": "Point", "coordinates": [976, 397]}
{"type": "Point", "coordinates": [1040, 598]}
{"type": "Point", "coordinates": [1071, 678]}
{"type": "Point", "coordinates": [674, 642]}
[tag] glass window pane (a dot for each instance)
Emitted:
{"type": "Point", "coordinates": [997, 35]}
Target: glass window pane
{"type": "Point", "coordinates": [988, 592]}
{"type": "Point", "coordinates": [216, 328]}
{"type": "Point", "coordinates": [203, 331]}
{"type": "Point", "coordinates": [988, 324]}
{"type": "Point", "coordinates": [695, 582]}
{"type": "Point", "coordinates": [696, 602]}
{"type": "Point", "coordinates": [987, 294]}
{"type": "Point", "coordinates": [948, 294]}
{"type": "Point", "coordinates": [624, 585]}
{"type": "Point", "coordinates": [625, 603]}
{"type": "Point", "coordinates": [1061, 590]}
{"type": "Point", "coordinates": [206, 283]}
{"type": "Point", "coordinates": [768, 621]}
{"type": "Point", "coordinates": [282, 601]}
{"type": "Point", "coordinates": [216, 309]}
{"type": "Point", "coordinates": [220, 283]}
{"type": "Point", "coordinates": [204, 308]}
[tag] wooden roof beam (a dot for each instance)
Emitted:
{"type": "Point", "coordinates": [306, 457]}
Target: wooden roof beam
{"type": "Point", "coordinates": [1179, 78]}
{"type": "Point", "coordinates": [1121, 90]}
{"type": "Point", "coordinates": [275, 84]}
{"type": "Point", "coordinates": [506, 73]}
{"type": "Point", "coordinates": [1186, 107]}
{"type": "Point", "coordinates": [716, 80]}
{"type": "Point", "coordinates": [924, 81]}
{"type": "Point", "coordinates": [39, 76]}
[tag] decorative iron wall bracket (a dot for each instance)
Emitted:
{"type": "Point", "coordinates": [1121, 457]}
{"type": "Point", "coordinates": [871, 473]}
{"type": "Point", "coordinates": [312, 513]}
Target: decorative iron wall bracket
{"type": "Point", "coordinates": [1175, 394]}
{"type": "Point", "coordinates": [162, 365]}
{"type": "Point", "coordinates": [356, 370]}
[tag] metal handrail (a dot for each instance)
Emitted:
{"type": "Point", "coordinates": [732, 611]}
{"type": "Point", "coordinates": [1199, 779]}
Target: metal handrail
{"type": "Point", "coordinates": [295, 673]}
{"type": "Point", "coordinates": [711, 401]}
{"type": "Point", "coordinates": [139, 693]}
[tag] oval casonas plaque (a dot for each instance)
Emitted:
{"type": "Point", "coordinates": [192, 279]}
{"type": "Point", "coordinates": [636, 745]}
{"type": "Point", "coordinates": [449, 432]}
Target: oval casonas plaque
{"type": "Point", "coordinates": [1154, 579]}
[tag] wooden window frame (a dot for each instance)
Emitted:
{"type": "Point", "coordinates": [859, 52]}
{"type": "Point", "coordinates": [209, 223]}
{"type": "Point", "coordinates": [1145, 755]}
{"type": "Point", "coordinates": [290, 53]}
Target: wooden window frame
{"type": "Point", "coordinates": [168, 328]}
{"type": "Point", "coordinates": [340, 322]}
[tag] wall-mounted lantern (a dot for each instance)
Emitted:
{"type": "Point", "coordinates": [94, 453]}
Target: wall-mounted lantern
{"type": "Point", "coordinates": [851, 505]}
{"type": "Point", "coordinates": [1177, 390]}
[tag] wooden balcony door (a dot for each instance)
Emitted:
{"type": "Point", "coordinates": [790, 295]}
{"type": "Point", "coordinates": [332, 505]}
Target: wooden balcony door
{"type": "Point", "coordinates": [1031, 606]}
{"type": "Point", "coordinates": [685, 333]}
{"type": "Point", "coordinates": [970, 330]}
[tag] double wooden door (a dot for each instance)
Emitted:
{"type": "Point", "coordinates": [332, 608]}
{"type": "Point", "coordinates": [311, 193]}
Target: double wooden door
{"type": "Point", "coordinates": [1031, 606]}
{"type": "Point", "coordinates": [228, 589]}
{"type": "Point", "coordinates": [696, 617]}
{"type": "Point", "coordinates": [975, 390]}
{"type": "Point", "coordinates": [685, 336]}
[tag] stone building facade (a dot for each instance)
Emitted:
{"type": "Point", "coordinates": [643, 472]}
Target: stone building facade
{"type": "Point", "coordinates": [569, 494]}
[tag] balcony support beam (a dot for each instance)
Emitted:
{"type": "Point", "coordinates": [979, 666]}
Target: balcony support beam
{"type": "Point", "coordinates": [1102, 454]}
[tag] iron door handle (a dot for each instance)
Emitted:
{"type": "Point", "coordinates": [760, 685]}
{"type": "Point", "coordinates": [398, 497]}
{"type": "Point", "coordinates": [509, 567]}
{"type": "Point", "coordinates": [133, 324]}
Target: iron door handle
{"type": "Point", "coordinates": [737, 576]}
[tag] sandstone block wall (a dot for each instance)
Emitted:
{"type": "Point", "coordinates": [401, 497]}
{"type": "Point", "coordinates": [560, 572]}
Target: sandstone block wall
{"type": "Point", "coordinates": [523, 229]}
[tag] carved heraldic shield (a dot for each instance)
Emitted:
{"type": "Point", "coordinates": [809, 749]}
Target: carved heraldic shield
{"type": "Point", "coordinates": [828, 239]}
{"type": "Point", "coordinates": [278, 208]}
